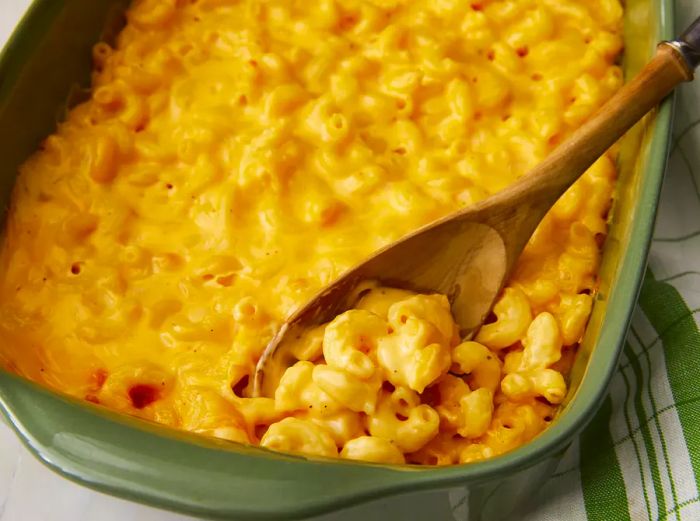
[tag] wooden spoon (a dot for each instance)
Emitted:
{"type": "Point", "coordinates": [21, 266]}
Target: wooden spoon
{"type": "Point", "coordinates": [469, 254]}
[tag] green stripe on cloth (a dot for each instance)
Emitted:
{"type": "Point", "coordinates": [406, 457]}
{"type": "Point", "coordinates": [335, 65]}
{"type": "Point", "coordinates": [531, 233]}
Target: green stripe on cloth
{"type": "Point", "coordinates": [601, 479]}
{"type": "Point", "coordinates": [678, 332]}
{"type": "Point", "coordinates": [649, 387]}
{"type": "Point", "coordinates": [630, 429]}
{"type": "Point", "coordinates": [648, 444]}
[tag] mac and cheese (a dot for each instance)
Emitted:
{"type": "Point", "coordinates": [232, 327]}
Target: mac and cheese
{"type": "Point", "coordinates": [237, 155]}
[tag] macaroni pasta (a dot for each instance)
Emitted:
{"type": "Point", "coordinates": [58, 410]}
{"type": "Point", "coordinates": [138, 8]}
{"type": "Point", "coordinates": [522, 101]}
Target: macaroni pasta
{"type": "Point", "coordinates": [237, 155]}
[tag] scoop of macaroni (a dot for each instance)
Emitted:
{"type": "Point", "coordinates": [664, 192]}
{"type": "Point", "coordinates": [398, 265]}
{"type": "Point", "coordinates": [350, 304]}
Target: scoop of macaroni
{"type": "Point", "coordinates": [418, 383]}
{"type": "Point", "coordinates": [235, 156]}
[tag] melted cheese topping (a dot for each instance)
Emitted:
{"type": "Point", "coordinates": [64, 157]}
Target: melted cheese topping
{"type": "Point", "coordinates": [235, 156]}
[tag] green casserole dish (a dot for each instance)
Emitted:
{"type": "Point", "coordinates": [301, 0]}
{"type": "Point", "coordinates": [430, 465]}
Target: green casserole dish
{"type": "Point", "coordinates": [46, 63]}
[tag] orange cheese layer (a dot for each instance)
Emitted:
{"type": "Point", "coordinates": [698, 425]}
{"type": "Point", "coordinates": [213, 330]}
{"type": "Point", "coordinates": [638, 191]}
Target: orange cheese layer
{"type": "Point", "coordinates": [237, 155]}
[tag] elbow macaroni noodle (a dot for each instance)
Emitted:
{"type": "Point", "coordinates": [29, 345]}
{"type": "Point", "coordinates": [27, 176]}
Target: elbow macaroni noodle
{"type": "Point", "coordinates": [237, 155]}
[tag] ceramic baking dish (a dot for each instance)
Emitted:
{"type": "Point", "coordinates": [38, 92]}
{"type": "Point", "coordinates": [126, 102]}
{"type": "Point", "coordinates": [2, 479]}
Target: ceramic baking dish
{"type": "Point", "coordinates": [43, 67]}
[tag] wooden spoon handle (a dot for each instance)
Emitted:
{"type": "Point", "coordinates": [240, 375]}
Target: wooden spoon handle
{"type": "Point", "coordinates": [574, 156]}
{"type": "Point", "coordinates": [522, 205]}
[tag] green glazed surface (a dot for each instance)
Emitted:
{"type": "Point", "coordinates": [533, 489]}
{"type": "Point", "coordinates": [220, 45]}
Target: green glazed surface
{"type": "Point", "coordinates": [44, 64]}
